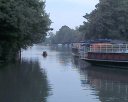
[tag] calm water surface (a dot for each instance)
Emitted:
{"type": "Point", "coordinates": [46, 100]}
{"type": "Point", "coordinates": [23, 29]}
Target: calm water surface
{"type": "Point", "coordinates": [60, 77]}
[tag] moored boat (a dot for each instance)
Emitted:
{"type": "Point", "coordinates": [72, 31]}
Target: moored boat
{"type": "Point", "coordinates": [77, 48]}
{"type": "Point", "coordinates": [106, 54]}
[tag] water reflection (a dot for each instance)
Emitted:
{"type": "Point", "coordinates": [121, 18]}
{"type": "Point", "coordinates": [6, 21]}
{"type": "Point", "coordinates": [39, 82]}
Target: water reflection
{"type": "Point", "coordinates": [71, 79]}
{"type": "Point", "coordinates": [110, 85]}
{"type": "Point", "coordinates": [63, 55]}
{"type": "Point", "coordinates": [60, 48]}
{"type": "Point", "coordinates": [23, 82]}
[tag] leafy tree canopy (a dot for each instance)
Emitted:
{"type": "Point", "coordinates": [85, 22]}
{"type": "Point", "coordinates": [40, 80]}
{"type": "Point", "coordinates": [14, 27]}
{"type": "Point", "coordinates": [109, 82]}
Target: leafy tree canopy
{"type": "Point", "coordinates": [108, 20]}
{"type": "Point", "coordinates": [22, 23]}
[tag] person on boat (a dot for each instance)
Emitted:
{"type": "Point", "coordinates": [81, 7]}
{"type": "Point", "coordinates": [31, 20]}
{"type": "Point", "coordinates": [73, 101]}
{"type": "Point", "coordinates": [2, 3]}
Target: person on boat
{"type": "Point", "coordinates": [44, 53]}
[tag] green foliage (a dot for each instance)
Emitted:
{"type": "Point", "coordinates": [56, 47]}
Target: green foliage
{"type": "Point", "coordinates": [22, 23]}
{"type": "Point", "coordinates": [108, 20]}
{"type": "Point", "coordinates": [65, 35]}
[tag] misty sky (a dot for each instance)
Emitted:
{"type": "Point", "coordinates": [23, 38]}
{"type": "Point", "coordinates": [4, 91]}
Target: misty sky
{"type": "Point", "coordinates": [68, 12]}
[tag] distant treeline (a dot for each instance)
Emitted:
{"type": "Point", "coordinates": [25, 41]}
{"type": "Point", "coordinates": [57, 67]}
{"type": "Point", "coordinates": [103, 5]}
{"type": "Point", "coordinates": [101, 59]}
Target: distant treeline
{"type": "Point", "coordinates": [65, 35]}
{"type": "Point", "coordinates": [22, 23]}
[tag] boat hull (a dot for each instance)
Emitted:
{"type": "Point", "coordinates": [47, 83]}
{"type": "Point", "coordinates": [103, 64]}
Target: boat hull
{"type": "Point", "coordinates": [108, 63]}
{"type": "Point", "coordinates": [117, 60]}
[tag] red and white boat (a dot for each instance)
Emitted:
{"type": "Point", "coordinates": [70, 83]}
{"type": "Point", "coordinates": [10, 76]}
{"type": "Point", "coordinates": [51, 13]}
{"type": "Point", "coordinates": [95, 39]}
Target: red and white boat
{"type": "Point", "coordinates": [106, 54]}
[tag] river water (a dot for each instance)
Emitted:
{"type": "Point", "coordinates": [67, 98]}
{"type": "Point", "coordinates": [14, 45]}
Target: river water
{"type": "Point", "coordinates": [60, 77]}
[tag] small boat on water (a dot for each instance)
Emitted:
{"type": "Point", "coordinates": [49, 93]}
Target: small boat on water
{"type": "Point", "coordinates": [105, 53]}
{"type": "Point", "coordinates": [44, 54]}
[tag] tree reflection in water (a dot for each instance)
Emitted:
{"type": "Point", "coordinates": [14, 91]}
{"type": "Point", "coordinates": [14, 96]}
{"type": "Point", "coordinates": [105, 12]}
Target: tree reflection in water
{"type": "Point", "coordinates": [110, 85]}
{"type": "Point", "coordinates": [23, 82]}
{"type": "Point", "coordinates": [64, 54]}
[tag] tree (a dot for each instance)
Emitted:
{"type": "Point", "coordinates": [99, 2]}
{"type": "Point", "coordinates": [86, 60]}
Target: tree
{"type": "Point", "coordinates": [108, 20]}
{"type": "Point", "coordinates": [22, 23]}
{"type": "Point", "coordinates": [66, 35]}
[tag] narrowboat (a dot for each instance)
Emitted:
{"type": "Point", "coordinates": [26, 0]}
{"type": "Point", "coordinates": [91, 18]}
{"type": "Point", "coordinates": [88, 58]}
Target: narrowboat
{"type": "Point", "coordinates": [106, 54]}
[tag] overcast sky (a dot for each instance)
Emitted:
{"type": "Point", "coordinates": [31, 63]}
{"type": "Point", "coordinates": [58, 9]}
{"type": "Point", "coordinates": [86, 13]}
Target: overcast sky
{"type": "Point", "coordinates": [68, 12]}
